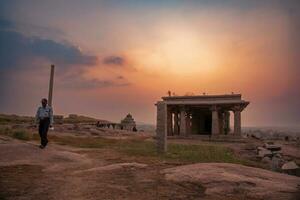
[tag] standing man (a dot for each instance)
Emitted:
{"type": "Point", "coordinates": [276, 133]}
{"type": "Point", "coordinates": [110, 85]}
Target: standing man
{"type": "Point", "coordinates": [44, 116]}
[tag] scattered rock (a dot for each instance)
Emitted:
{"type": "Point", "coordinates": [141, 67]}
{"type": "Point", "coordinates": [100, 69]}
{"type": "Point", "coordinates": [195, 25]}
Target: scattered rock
{"type": "Point", "coordinates": [260, 148]}
{"type": "Point", "coordinates": [276, 163]}
{"type": "Point", "coordinates": [289, 166]}
{"type": "Point", "coordinates": [266, 160]}
{"type": "Point", "coordinates": [272, 147]}
{"type": "Point", "coordinates": [264, 152]}
{"type": "Point", "coordinates": [256, 136]}
{"type": "Point", "coordinates": [94, 131]}
{"type": "Point", "coordinates": [250, 147]}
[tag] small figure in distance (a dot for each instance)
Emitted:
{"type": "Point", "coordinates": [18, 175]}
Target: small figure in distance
{"type": "Point", "coordinates": [44, 118]}
{"type": "Point", "coordinates": [169, 93]}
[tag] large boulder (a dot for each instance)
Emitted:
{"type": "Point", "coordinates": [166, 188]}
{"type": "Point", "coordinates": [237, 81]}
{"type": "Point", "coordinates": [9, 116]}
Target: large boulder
{"type": "Point", "coordinates": [291, 168]}
{"type": "Point", "coordinates": [272, 147]}
{"type": "Point", "coordinates": [276, 162]}
{"type": "Point", "coordinates": [224, 180]}
{"type": "Point", "coordinates": [264, 152]}
{"type": "Point", "coordinates": [266, 160]}
{"type": "Point", "coordinates": [290, 165]}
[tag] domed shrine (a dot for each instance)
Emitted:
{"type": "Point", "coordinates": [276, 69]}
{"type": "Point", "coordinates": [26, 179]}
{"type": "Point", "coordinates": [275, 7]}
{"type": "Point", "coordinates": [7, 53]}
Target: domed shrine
{"type": "Point", "coordinates": [128, 123]}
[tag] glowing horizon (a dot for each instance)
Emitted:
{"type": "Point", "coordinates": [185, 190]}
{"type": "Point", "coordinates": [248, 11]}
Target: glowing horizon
{"type": "Point", "coordinates": [120, 57]}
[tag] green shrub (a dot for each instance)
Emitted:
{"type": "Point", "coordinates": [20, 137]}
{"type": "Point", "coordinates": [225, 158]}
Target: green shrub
{"type": "Point", "coordinates": [5, 130]}
{"type": "Point", "coordinates": [21, 134]}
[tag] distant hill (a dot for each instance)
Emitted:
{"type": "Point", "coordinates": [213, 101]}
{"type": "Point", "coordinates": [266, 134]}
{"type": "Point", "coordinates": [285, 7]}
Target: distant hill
{"type": "Point", "coordinates": [72, 118]}
{"type": "Point", "coordinates": [6, 119]}
{"type": "Point", "coordinates": [145, 127]}
{"type": "Point", "coordinates": [272, 132]}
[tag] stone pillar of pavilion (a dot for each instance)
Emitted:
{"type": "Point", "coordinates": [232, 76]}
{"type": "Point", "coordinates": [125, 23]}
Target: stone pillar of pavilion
{"type": "Point", "coordinates": [215, 121]}
{"type": "Point", "coordinates": [169, 122]}
{"type": "Point", "coordinates": [221, 122]}
{"type": "Point", "coordinates": [188, 123]}
{"type": "Point", "coordinates": [237, 120]}
{"type": "Point", "coordinates": [182, 131]}
{"type": "Point", "coordinates": [176, 123]}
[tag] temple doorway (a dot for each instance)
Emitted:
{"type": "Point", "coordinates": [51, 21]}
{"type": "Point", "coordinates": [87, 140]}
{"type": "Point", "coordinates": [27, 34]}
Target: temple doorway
{"type": "Point", "coordinates": [201, 121]}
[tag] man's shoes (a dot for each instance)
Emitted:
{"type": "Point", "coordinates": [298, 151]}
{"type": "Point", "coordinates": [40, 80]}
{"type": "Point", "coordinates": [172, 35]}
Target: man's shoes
{"type": "Point", "coordinates": [42, 146]}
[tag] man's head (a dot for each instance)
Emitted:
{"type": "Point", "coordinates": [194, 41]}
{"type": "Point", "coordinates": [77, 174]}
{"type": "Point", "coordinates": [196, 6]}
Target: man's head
{"type": "Point", "coordinates": [44, 102]}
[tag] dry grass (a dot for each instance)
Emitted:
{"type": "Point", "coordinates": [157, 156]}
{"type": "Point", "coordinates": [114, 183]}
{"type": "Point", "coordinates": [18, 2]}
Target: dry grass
{"type": "Point", "coordinates": [182, 153]}
{"type": "Point", "coordinates": [19, 133]}
{"type": "Point", "coordinates": [178, 153]}
{"type": "Point", "coordinates": [8, 119]}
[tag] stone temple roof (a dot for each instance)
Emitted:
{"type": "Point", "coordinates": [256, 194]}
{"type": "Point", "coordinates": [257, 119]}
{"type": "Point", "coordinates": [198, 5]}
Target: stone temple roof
{"type": "Point", "coordinates": [206, 99]}
{"type": "Point", "coordinates": [128, 119]}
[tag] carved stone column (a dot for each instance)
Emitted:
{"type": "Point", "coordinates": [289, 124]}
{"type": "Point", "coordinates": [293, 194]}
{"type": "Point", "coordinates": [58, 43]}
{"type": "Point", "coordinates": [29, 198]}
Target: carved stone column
{"type": "Point", "coordinates": [215, 121]}
{"type": "Point", "coordinates": [169, 121]}
{"type": "Point", "coordinates": [182, 121]}
{"type": "Point", "coordinates": [221, 123]}
{"type": "Point", "coordinates": [227, 122]}
{"type": "Point", "coordinates": [188, 123]}
{"type": "Point", "coordinates": [161, 127]}
{"type": "Point", "coordinates": [51, 86]}
{"type": "Point", "coordinates": [237, 120]}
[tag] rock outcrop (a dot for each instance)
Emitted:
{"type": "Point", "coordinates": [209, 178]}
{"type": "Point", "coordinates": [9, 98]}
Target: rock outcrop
{"type": "Point", "coordinates": [223, 179]}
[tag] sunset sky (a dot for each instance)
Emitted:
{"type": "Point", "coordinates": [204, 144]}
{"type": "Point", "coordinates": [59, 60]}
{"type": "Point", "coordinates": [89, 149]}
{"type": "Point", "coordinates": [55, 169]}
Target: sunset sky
{"type": "Point", "coordinates": [118, 57]}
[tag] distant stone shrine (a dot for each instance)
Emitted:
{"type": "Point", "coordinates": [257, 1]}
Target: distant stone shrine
{"type": "Point", "coordinates": [128, 123]}
{"type": "Point", "coordinates": [197, 115]}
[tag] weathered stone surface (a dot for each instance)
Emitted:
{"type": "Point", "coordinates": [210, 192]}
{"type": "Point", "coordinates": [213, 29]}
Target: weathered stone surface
{"type": "Point", "coordinates": [264, 152]}
{"type": "Point", "coordinates": [266, 160]}
{"type": "Point", "coordinates": [224, 179]}
{"type": "Point", "coordinates": [260, 148]}
{"type": "Point", "coordinates": [276, 163]}
{"type": "Point", "coordinates": [161, 127]}
{"type": "Point", "coordinates": [289, 166]}
{"type": "Point", "coordinates": [250, 147]}
{"type": "Point", "coordinates": [112, 167]}
{"type": "Point", "coordinates": [272, 147]}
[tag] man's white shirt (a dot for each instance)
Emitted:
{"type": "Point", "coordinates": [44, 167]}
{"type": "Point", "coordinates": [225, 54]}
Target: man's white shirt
{"type": "Point", "coordinates": [43, 113]}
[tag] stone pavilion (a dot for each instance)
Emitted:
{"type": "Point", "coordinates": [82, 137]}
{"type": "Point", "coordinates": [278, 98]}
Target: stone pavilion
{"type": "Point", "coordinates": [185, 116]}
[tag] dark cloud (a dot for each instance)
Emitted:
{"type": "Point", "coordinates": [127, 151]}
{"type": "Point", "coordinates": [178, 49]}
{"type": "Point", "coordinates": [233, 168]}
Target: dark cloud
{"type": "Point", "coordinates": [61, 53]}
{"type": "Point", "coordinates": [114, 60]}
{"type": "Point", "coordinates": [15, 48]}
{"type": "Point", "coordinates": [5, 24]}
{"type": "Point", "coordinates": [94, 83]}
{"type": "Point", "coordinates": [18, 50]}
{"type": "Point", "coordinates": [79, 82]}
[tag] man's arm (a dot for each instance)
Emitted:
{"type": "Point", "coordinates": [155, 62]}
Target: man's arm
{"type": "Point", "coordinates": [36, 120]}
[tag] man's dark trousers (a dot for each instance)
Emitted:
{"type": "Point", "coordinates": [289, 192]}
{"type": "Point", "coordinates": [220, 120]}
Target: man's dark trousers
{"type": "Point", "coordinates": [43, 130]}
